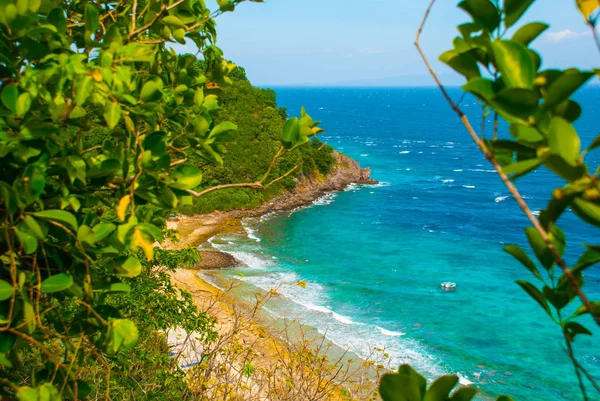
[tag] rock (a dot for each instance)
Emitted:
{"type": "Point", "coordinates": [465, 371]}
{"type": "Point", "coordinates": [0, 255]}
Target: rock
{"type": "Point", "coordinates": [212, 260]}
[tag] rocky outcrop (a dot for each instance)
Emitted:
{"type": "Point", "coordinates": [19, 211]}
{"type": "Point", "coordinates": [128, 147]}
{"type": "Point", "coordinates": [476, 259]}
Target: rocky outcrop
{"type": "Point", "coordinates": [346, 171]}
{"type": "Point", "coordinates": [196, 230]}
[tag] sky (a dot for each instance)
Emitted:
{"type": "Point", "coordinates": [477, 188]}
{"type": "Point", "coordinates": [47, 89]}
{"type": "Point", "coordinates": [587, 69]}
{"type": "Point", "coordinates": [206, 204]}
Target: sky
{"type": "Point", "coordinates": [370, 42]}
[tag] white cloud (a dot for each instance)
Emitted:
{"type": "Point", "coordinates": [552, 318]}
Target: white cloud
{"type": "Point", "coordinates": [567, 34]}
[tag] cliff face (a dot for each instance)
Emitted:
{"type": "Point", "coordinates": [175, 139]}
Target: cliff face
{"type": "Point", "coordinates": [347, 171]}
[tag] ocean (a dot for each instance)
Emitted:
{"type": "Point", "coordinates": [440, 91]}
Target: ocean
{"type": "Point", "coordinates": [373, 257]}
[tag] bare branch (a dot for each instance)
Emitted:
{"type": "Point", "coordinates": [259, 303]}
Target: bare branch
{"type": "Point", "coordinates": [283, 176]}
{"type": "Point", "coordinates": [507, 182]}
{"type": "Point", "coordinates": [178, 162]}
{"type": "Point", "coordinates": [253, 185]}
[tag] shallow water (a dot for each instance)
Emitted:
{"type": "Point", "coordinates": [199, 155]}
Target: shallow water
{"type": "Point", "coordinates": [373, 257]}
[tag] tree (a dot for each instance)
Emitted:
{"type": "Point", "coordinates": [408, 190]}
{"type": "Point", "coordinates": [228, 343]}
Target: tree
{"type": "Point", "coordinates": [80, 223]}
{"type": "Point", "coordinates": [506, 77]}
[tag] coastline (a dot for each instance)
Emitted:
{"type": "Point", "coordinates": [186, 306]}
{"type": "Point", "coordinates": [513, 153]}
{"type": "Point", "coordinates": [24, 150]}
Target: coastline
{"type": "Point", "coordinates": [196, 230]}
{"type": "Point", "coordinates": [270, 342]}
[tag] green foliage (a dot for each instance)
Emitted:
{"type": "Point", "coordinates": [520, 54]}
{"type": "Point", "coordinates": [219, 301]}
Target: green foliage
{"type": "Point", "coordinates": [408, 385]}
{"type": "Point", "coordinates": [97, 120]}
{"type": "Point", "coordinates": [506, 76]}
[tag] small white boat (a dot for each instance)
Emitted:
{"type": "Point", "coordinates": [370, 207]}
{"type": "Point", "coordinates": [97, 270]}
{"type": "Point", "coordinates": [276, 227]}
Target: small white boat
{"type": "Point", "coordinates": [448, 286]}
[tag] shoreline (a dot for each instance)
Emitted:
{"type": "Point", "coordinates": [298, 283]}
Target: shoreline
{"type": "Point", "coordinates": [196, 230]}
{"type": "Point", "coordinates": [271, 345]}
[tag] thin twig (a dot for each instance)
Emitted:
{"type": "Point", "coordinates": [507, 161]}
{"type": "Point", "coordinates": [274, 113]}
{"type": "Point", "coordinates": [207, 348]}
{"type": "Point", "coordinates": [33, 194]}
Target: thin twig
{"type": "Point", "coordinates": [507, 182]}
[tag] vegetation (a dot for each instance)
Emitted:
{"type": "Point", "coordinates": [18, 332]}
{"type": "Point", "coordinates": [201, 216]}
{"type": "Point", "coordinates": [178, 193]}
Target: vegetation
{"type": "Point", "coordinates": [83, 292]}
{"type": "Point", "coordinates": [505, 74]}
{"type": "Point", "coordinates": [260, 122]}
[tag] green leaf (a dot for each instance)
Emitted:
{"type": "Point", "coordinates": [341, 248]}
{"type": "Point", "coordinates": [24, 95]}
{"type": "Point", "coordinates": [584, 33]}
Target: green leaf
{"type": "Point", "coordinates": [173, 21]}
{"type": "Point", "coordinates": [57, 18]}
{"type": "Point", "coordinates": [128, 267]}
{"type": "Point", "coordinates": [540, 248]}
{"type": "Point", "coordinates": [514, 63]}
{"type": "Point", "coordinates": [34, 227]}
{"type": "Point", "coordinates": [151, 91]}
{"type": "Point", "coordinates": [83, 89]}
{"type": "Point", "coordinates": [123, 334]}
{"type": "Point", "coordinates": [57, 283]}
{"type": "Point", "coordinates": [9, 97]}
{"type": "Point", "coordinates": [519, 254]}
{"type": "Point", "coordinates": [518, 102]}
{"type": "Point", "coordinates": [573, 329]}
{"type": "Point", "coordinates": [291, 132]}
{"type": "Point", "coordinates": [564, 141]}
{"type": "Point", "coordinates": [199, 97]}
{"type": "Point", "coordinates": [103, 230]}
{"type": "Point", "coordinates": [186, 177]}
{"type": "Point", "coordinates": [92, 22]}
{"type": "Point", "coordinates": [61, 216]}
{"type": "Point", "coordinates": [463, 63]}
{"type": "Point", "coordinates": [406, 385]}
{"type": "Point", "coordinates": [222, 128]}
{"type": "Point", "coordinates": [504, 398]}
{"type": "Point", "coordinates": [481, 87]}
{"type": "Point", "coordinates": [23, 104]}
{"type": "Point", "coordinates": [44, 392]}
{"type": "Point", "coordinates": [521, 168]}
{"type": "Point", "coordinates": [112, 288]}
{"type": "Point", "coordinates": [29, 242]}
{"type": "Point", "coordinates": [440, 389]}
{"type": "Point", "coordinates": [535, 294]}
{"type": "Point", "coordinates": [564, 169]}
{"type": "Point", "coordinates": [564, 86]}
{"type": "Point", "coordinates": [112, 114]}
{"type": "Point", "coordinates": [514, 9]}
{"type": "Point", "coordinates": [156, 143]}
{"type": "Point", "coordinates": [569, 110]}
{"type": "Point", "coordinates": [528, 33]}
{"type": "Point", "coordinates": [582, 310]}
{"type": "Point", "coordinates": [211, 103]}
{"type": "Point", "coordinates": [589, 258]}
{"type": "Point", "coordinates": [86, 235]}
{"type": "Point", "coordinates": [586, 211]}
{"type": "Point", "coordinates": [464, 394]}
{"type": "Point", "coordinates": [6, 290]}
{"type": "Point", "coordinates": [76, 168]}
{"type": "Point", "coordinates": [483, 12]}
{"type": "Point", "coordinates": [523, 133]}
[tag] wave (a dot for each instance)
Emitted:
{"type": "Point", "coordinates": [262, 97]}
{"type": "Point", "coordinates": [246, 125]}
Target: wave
{"type": "Point", "coordinates": [325, 199]}
{"type": "Point", "coordinates": [250, 231]}
{"type": "Point", "coordinates": [469, 186]}
{"type": "Point", "coordinates": [364, 155]}
{"type": "Point", "coordinates": [404, 152]}
{"type": "Point", "coordinates": [447, 181]}
{"type": "Point", "coordinates": [390, 333]}
{"type": "Point", "coordinates": [458, 170]}
{"type": "Point", "coordinates": [501, 199]}
{"type": "Point", "coordinates": [341, 318]}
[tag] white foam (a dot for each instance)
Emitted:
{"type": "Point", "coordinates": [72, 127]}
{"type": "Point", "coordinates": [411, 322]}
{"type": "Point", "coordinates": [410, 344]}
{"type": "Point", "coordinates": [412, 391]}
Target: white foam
{"type": "Point", "coordinates": [325, 199]}
{"type": "Point", "coordinates": [250, 231]}
{"type": "Point", "coordinates": [251, 260]}
{"type": "Point", "coordinates": [318, 308]}
{"type": "Point", "coordinates": [464, 380]}
{"type": "Point", "coordinates": [457, 170]}
{"type": "Point", "coordinates": [390, 333]}
{"type": "Point", "coordinates": [447, 181]}
{"type": "Point", "coordinates": [500, 199]}
{"type": "Point", "coordinates": [364, 155]}
{"type": "Point", "coordinates": [342, 319]}
{"type": "Point", "coordinates": [404, 152]}
{"type": "Point", "coordinates": [469, 186]}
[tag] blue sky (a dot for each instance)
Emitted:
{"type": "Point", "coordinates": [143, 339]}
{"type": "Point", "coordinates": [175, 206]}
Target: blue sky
{"type": "Point", "coordinates": [329, 42]}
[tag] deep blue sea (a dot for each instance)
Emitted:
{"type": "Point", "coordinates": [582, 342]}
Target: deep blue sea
{"type": "Point", "coordinates": [373, 257]}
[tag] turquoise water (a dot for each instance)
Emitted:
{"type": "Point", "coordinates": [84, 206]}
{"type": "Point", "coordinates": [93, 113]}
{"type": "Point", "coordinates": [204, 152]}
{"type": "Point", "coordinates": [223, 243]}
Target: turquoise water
{"type": "Point", "coordinates": [374, 257]}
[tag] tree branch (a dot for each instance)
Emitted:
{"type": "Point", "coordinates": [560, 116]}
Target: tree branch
{"type": "Point", "coordinates": [253, 185]}
{"type": "Point", "coordinates": [507, 182]}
